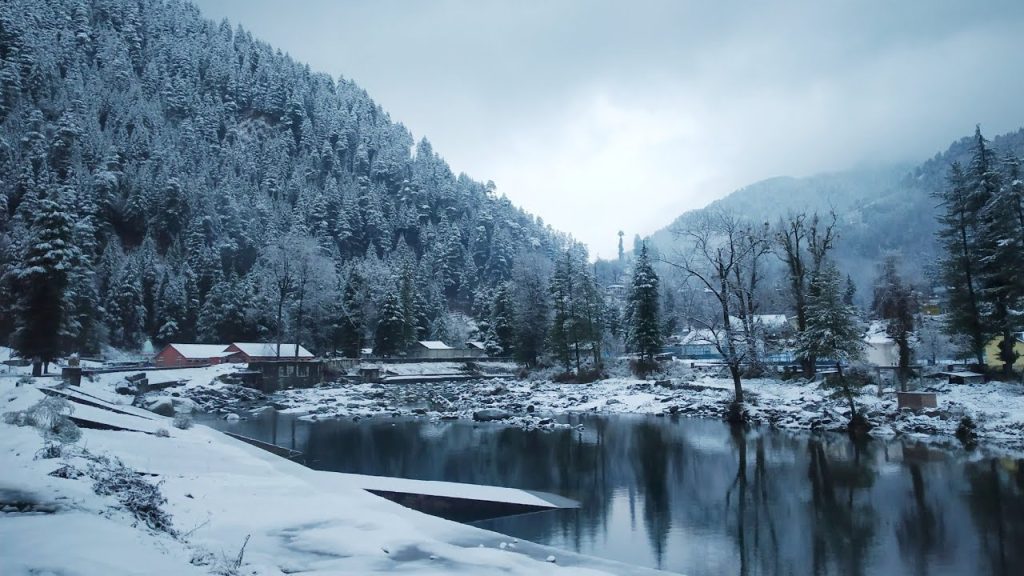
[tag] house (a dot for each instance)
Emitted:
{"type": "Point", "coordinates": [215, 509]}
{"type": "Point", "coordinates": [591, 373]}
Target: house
{"type": "Point", "coordinates": [879, 348]}
{"type": "Point", "coordinates": [177, 355]}
{"type": "Point", "coordinates": [699, 345]}
{"type": "Point", "coordinates": [476, 349]}
{"type": "Point", "coordinates": [284, 373]}
{"type": "Point", "coordinates": [435, 350]}
{"type": "Point", "coordinates": [992, 352]}
{"type": "Point", "coordinates": [262, 351]}
{"type": "Point", "coordinates": [963, 377]}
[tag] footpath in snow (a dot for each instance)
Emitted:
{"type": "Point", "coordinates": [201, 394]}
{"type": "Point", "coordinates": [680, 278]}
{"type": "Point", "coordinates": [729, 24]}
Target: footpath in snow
{"type": "Point", "coordinates": [195, 501]}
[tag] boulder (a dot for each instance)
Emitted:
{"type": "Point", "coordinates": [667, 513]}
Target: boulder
{"type": "Point", "coordinates": [490, 414]}
{"type": "Point", "coordinates": [183, 405]}
{"type": "Point", "coordinates": [125, 387]}
{"type": "Point", "coordinates": [163, 406]}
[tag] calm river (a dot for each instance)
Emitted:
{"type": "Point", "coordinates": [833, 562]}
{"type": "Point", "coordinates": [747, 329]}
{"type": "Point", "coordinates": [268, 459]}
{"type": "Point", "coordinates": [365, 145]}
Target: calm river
{"type": "Point", "coordinates": [696, 497]}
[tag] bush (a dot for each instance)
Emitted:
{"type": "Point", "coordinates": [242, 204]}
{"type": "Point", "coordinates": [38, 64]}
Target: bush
{"type": "Point", "coordinates": [144, 500]}
{"type": "Point", "coordinates": [643, 367]}
{"type": "Point", "coordinates": [588, 375]}
{"type": "Point", "coordinates": [967, 431]}
{"type": "Point", "coordinates": [182, 421]}
{"type": "Point", "coordinates": [50, 416]}
{"type": "Point", "coordinates": [162, 433]}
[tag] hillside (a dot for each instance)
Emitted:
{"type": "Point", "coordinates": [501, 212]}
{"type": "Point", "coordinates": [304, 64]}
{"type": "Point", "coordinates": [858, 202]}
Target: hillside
{"type": "Point", "coordinates": [187, 164]}
{"type": "Point", "coordinates": [880, 210]}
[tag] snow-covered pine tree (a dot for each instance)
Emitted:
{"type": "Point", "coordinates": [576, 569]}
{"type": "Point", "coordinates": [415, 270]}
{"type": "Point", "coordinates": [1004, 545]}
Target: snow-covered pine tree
{"type": "Point", "coordinates": [959, 266]}
{"type": "Point", "coordinates": [41, 278]}
{"type": "Point", "coordinates": [894, 302]}
{"type": "Point", "coordinates": [531, 309]}
{"type": "Point", "coordinates": [643, 325]}
{"type": "Point", "coordinates": [1001, 262]}
{"type": "Point", "coordinates": [832, 330]}
{"type": "Point", "coordinates": [387, 340]}
{"type": "Point", "coordinates": [503, 320]}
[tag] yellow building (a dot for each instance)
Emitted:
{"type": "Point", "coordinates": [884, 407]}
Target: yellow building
{"type": "Point", "coordinates": [992, 352]}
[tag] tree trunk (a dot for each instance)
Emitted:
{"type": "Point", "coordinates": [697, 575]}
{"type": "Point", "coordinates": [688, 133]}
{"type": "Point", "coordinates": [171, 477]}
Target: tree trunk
{"type": "Point", "coordinates": [1007, 353]}
{"type": "Point", "coordinates": [734, 370]}
{"type": "Point", "coordinates": [280, 314]}
{"type": "Point", "coordinates": [904, 362]}
{"type": "Point", "coordinates": [846, 391]}
{"type": "Point", "coordinates": [37, 368]}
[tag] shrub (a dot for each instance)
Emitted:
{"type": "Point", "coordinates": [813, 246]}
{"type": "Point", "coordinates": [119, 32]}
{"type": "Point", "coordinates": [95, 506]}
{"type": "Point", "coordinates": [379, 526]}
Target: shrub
{"type": "Point", "coordinates": [162, 433]}
{"type": "Point", "coordinates": [967, 431]}
{"type": "Point", "coordinates": [144, 500]}
{"type": "Point", "coordinates": [643, 367]}
{"type": "Point", "coordinates": [50, 416]}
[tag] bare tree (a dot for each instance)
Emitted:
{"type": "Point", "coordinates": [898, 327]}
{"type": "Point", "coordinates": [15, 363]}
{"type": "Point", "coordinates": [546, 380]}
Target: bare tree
{"type": "Point", "coordinates": [723, 262]}
{"type": "Point", "coordinates": [279, 276]}
{"type": "Point", "coordinates": [294, 271]}
{"type": "Point", "coordinates": [803, 243]}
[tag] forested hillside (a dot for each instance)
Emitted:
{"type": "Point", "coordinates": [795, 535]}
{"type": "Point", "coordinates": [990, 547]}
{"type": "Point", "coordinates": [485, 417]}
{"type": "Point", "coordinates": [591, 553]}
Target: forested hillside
{"type": "Point", "coordinates": [881, 210]}
{"type": "Point", "coordinates": [169, 178]}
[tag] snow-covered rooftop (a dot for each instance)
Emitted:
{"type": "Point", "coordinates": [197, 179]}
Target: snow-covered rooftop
{"type": "Point", "coordinates": [199, 351]}
{"type": "Point", "coordinates": [264, 349]}
{"type": "Point", "coordinates": [434, 345]}
{"type": "Point", "coordinates": [477, 345]}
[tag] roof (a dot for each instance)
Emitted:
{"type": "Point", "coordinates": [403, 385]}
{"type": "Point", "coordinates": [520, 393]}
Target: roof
{"type": "Point", "coordinates": [771, 320]}
{"type": "Point", "coordinates": [477, 345]}
{"type": "Point", "coordinates": [266, 349]}
{"type": "Point", "coordinates": [201, 350]}
{"type": "Point", "coordinates": [964, 374]}
{"type": "Point", "coordinates": [701, 336]}
{"type": "Point", "coordinates": [434, 345]}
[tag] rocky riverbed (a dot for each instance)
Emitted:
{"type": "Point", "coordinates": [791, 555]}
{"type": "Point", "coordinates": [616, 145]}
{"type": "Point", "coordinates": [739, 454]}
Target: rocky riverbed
{"type": "Point", "coordinates": [996, 408]}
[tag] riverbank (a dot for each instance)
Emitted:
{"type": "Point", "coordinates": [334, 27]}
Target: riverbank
{"type": "Point", "coordinates": [194, 501]}
{"type": "Point", "coordinates": [997, 408]}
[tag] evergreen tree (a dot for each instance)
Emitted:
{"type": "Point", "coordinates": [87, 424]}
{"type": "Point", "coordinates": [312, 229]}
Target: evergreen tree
{"type": "Point", "coordinates": [832, 330]}
{"type": "Point", "coordinates": [388, 340]}
{"type": "Point", "coordinates": [895, 303]}
{"type": "Point", "coordinates": [41, 280]}
{"type": "Point", "coordinates": [1001, 258]}
{"type": "Point", "coordinates": [351, 323]}
{"type": "Point", "coordinates": [958, 235]}
{"type": "Point", "coordinates": [503, 321]}
{"type": "Point", "coordinates": [532, 309]}
{"type": "Point", "coordinates": [643, 328]}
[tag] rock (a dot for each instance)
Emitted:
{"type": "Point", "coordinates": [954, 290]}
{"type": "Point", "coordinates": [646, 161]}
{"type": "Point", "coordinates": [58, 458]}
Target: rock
{"type": "Point", "coordinates": [530, 409]}
{"type": "Point", "coordinates": [490, 414]}
{"type": "Point", "coordinates": [163, 406]}
{"type": "Point", "coordinates": [183, 405]}
{"type": "Point", "coordinates": [663, 383]}
{"type": "Point", "coordinates": [125, 387]}
{"type": "Point", "coordinates": [419, 411]}
{"type": "Point", "coordinates": [544, 421]}
{"type": "Point", "coordinates": [612, 402]}
{"type": "Point", "coordinates": [232, 417]}
{"type": "Point", "coordinates": [673, 409]}
{"type": "Point", "coordinates": [550, 559]}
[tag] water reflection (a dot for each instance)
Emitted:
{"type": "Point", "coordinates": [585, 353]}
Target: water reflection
{"type": "Point", "coordinates": [702, 498]}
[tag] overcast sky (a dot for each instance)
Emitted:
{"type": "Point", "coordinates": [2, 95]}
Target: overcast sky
{"type": "Point", "coordinates": [601, 116]}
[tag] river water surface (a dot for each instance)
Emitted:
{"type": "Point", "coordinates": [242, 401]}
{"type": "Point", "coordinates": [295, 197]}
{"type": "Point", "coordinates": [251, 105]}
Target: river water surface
{"type": "Point", "coordinates": [697, 497]}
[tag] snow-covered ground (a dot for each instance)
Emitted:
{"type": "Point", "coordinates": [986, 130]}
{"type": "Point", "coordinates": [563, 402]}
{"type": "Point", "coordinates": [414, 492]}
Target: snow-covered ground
{"type": "Point", "coordinates": [997, 408]}
{"type": "Point", "coordinates": [221, 495]}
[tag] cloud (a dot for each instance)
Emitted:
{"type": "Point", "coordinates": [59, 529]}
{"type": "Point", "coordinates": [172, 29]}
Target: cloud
{"type": "Point", "coordinates": [600, 115]}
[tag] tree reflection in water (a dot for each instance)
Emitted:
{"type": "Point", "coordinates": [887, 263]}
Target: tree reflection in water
{"type": "Point", "coordinates": [699, 497]}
